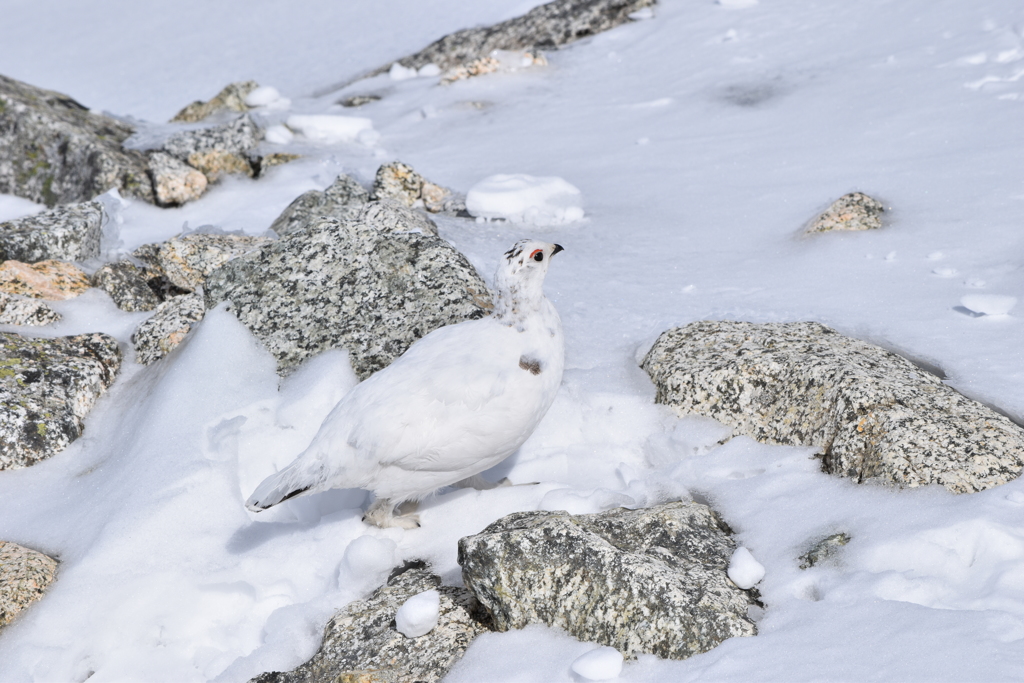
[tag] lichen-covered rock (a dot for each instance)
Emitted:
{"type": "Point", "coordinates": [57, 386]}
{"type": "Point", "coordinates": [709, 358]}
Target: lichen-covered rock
{"type": "Point", "coordinates": [216, 150]}
{"type": "Point", "coordinates": [47, 387]}
{"type": "Point", "coordinates": [854, 211]}
{"type": "Point", "coordinates": [873, 414]}
{"type": "Point", "coordinates": [127, 286]}
{"type": "Point", "coordinates": [53, 280]}
{"type": "Point", "coordinates": [15, 310]}
{"type": "Point", "coordinates": [64, 233]}
{"type": "Point", "coordinates": [231, 98]}
{"type": "Point", "coordinates": [342, 200]}
{"type": "Point", "coordinates": [175, 182]}
{"type": "Point", "coordinates": [159, 334]}
{"type": "Point", "coordinates": [358, 100]}
{"type": "Point", "coordinates": [372, 285]}
{"type": "Point", "coordinates": [268, 161]}
{"type": "Point", "coordinates": [55, 151]}
{"type": "Point", "coordinates": [824, 551]}
{"type": "Point", "coordinates": [400, 183]}
{"type": "Point", "coordinates": [361, 644]}
{"type": "Point", "coordinates": [642, 581]}
{"type": "Point", "coordinates": [24, 577]}
{"type": "Point", "coordinates": [187, 260]}
{"type": "Point", "coordinates": [546, 27]}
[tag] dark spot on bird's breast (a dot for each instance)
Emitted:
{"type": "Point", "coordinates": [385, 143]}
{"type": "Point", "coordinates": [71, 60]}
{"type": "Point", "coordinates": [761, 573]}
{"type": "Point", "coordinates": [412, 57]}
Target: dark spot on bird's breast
{"type": "Point", "coordinates": [531, 364]}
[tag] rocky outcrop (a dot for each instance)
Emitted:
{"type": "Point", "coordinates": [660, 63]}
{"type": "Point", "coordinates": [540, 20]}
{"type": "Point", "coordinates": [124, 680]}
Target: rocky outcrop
{"type": "Point", "coordinates": [53, 280]}
{"type": "Point", "coordinates": [546, 27]}
{"type": "Point", "coordinates": [231, 98]}
{"type": "Point", "coordinates": [342, 200]}
{"type": "Point", "coordinates": [15, 310]}
{"type": "Point", "coordinates": [174, 181]}
{"type": "Point", "coordinates": [159, 334]}
{"type": "Point", "coordinates": [361, 643]}
{"type": "Point", "coordinates": [372, 285]}
{"type": "Point", "coordinates": [24, 577]}
{"type": "Point", "coordinates": [873, 414]}
{"type": "Point", "coordinates": [47, 387]}
{"type": "Point", "coordinates": [854, 211]}
{"type": "Point", "coordinates": [54, 150]}
{"type": "Point", "coordinates": [642, 581]}
{"type": "Point", "coordinates": [127, 286]}
{"type": "Point", "coordinates": [187, 260]}
{"type": "Point", "coordinates": [66, 233]}
{"type": "Point", "coordinates": [398, 182]}
{"type": "Point", "coordinates": [225, 148]}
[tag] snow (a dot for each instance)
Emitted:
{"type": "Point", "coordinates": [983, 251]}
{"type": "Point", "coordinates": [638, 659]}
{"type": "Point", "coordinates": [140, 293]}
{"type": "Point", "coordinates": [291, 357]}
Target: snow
{"type": "Point", "coordinates": [989, 304]}
{"type": "Point", "coordinates": [12, 207]}
{"type": "Point", "coordinates": [601, 664]}
{"type": "Point", "coordinates": [522, 198]}
{"type": "Point", "coordinates": [267, 96]}
{"type": "Point", "coordinates": [418, 615]}
{"type": "Point", "coordinates": [330, 128]}
{"type": "Point", "coordinates": [278, 135]}
{"type": "Point", "coordinates": [755, 120]}
{"type": "Point", "coordinates": [744, 570]}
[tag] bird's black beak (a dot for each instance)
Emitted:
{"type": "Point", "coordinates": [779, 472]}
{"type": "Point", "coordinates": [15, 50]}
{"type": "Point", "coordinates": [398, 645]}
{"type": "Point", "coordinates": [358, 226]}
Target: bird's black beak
{"type": "Point", "coordinates": [558, 248]}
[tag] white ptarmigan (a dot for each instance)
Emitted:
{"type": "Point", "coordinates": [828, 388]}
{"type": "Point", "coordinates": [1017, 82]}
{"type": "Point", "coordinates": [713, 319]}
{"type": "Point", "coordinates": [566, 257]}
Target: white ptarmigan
{"type": "Point", "coordinates": [459, 401]}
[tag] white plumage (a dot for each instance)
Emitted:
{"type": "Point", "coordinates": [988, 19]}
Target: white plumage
{"type": "Point", "coordinates": [459, 401]}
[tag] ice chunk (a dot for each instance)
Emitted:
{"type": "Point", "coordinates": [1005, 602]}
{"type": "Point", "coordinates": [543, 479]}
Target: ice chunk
{"type": "Point", "coordinates": [601, 664]}
{"type": "Point", "coordinates": [521, 198]}
{"type": "Point", "coordinates": [262, 96]}
{"type": "Point", "coordinates": [989, 304]}
{"type": "Point", "coordinates": [419, 614]}
{"type": "Point", "coordinates": [744, 570]}
{"type": "Point", "coordinates": [401, 73]}
{"type": "Point", "coordinates": [330, 128]}
{"type": "Point", "coordinates": [278, 135]}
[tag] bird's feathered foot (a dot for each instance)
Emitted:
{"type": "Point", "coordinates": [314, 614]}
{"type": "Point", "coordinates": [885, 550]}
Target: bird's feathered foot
{"type": "Point", "coordinates": [382, 514]}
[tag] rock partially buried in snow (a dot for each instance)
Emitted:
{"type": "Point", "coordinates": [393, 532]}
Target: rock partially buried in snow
{"type": "Point", "coordinates": [522, 198]}
{"type": "Point", "coordinates": [361, 644]}
{"type": "Point", "coordinates": [225, 148]}
{"type": "Point", "coordinates": [498, 60]}
{"type": "Point", "coordinates": [989, 304]}
{"type": "Point", "coordinates": [161, 333]}
{"type": "Point", "coordinates": [54, 150]}
{"type": "Point", "coordinates": [343, 200]}
{"type": "Point", "coordinates": [187, 260]}
{"type": "Point", "coordinates": [372, 285]}
{"type": "Point", "coordinates": [66, 233]}
{"type": "Point", "coordinates": [641, 581]}
{"type": "Point", "coordinates": [601, 664]}
{"type": "Point", "coordinates": [744, 570]}
{"type": "Point", "coordinates": [854, 211]}
{"type": "Point", "coordinates": [824, 551]}
{"type": "Point", "coordinates": [16, 310]}
{"type": "Point", "coordinates": [47, 387]}
{"type": "Point", "coordinates": [53, 280]}
{"type": "Point", "coordinates": [400, 183]}
{"type": "Point", "coordinates": [174, 181]}
{"type": "Point", "coordinates": [231, 98]}
{"type": "Point", "coordinates": [419, 614]}
{"type": "Point", "coordinates": [127, 286]}
{"type": "Point", "coordinates": [329, 128]}
{"type": "Point", "coordinates": [24, 577]}
{"type": "Point", "coordinates": [873, 414]}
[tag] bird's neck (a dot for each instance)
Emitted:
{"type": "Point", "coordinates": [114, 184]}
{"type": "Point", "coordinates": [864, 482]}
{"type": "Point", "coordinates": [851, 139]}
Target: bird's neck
{"type": "Point", "coordinates": [518, 300]}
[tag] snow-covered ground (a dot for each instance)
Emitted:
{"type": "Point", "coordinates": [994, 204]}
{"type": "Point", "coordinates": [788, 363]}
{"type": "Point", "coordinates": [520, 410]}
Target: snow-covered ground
{"type": "Point", "coordinates": [701, 141]}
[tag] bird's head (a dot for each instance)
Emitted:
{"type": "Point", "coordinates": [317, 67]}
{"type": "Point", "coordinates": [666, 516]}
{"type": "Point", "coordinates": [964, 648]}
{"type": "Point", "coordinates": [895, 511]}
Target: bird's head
{"type": "Point", "coordinates": [521, 272]}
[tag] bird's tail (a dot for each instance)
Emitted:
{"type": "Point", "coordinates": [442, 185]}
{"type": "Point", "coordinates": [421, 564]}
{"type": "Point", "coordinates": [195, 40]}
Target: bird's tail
{"type": "Point", "coordinates": [296, 479]}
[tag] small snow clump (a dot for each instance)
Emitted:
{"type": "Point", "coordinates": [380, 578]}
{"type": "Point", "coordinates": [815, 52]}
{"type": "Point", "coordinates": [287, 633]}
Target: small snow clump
{"type": "Point", "coordinates": [401, 73]}
{"type": "Point", "coordinates": [278, 135]}
{"type": "Point", "coordinates": [601, 664]}
{"type": "Point", "coordinates": [744, 570]}
{"type": "Point", "coordinates": [419, 614]}
{"type": "Point", "coordinates": [521, 198]}
{"type": "Point", "coordinates": [369, 556]}
{"type": "Point", "coordinates": [262, 96]}
{"type": "Point", "coordinates": [330, 128]}
{"type": "Point", "coordinates": [989, 304]}
{"type": "Point", "coordinates": [429, 71]}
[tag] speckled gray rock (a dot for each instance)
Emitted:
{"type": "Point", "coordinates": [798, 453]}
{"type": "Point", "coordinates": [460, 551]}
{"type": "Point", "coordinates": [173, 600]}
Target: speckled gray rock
{"type": "Point", "coordinates": [361, 644]}
{"type": "Point", "coordinates": [159, 334]}
{"type": "Point", "coordinates": [174, 181]}
{"type": "Point", "coordinates": [225, 148]}
{"type": "Point", "coordinates": [231, 98]}
{"type": "Point", "coordinates": [47, 387]}
{"type": "Point", "coordinates": [854, 211]}
{"type": "Point", "coordinates": [16, 310]}
{"type": "Point", "coordinates": [55, 151]}
{"type": "Point", "coordinates": [372, 285]}
{"type": "Point", "coordinates": [824, 551]}
{"type": "Point", "coordinates": [873, 414]}
{"type": "Point", "coordinates": [187, 260]}
{"type": "Point", "coordinates": [342, 200]}
{"type": "Point", "coordinates": [400, 183]}
{"type": "Point", "coordinates": [24, 576]}
{"type": "Point", "coordinates": [642, 581]}
{"type": "Point", "coordinates": [64, 233]}
{"type": "Point", "coordinates": [126, 285]}
{"type": "Point", "coordinates": [546, 27]}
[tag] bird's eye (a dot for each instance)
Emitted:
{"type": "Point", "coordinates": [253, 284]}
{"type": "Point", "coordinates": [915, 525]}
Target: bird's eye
{"type": "Point", "coordinates": [537, 255]}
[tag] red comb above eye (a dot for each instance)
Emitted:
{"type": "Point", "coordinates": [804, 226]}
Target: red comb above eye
{"type": "Point", "coordinates": [535, 252]}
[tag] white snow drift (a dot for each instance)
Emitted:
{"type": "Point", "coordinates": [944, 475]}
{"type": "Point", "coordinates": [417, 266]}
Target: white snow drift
{"type": "Point", "coordinates": [521, 198]}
